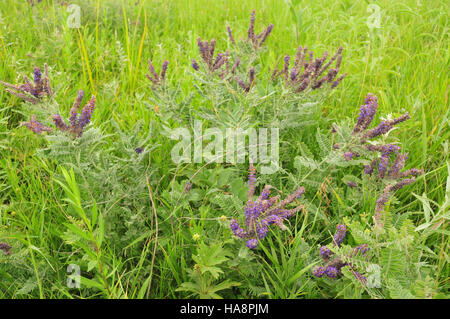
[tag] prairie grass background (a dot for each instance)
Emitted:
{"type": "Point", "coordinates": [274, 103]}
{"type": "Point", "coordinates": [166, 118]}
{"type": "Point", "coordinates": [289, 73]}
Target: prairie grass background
{"type": "Point", "coordinates": [405, 63]}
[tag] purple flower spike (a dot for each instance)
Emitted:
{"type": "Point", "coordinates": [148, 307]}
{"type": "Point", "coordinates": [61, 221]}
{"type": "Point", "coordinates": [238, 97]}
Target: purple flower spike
{"type": "Point", "coordinates": [230, 35]}
{"type": "Point", "coordinates": [293, 74]}
{"type": "Point", "coordinates": [59, 123]}
{"type": "Point", "coordinates": [286, 64]}
{"type": "Point", "coordinates": [76, 123]}
{"type": "Point", "coordinates": [36, 126]}
{"type": "Point", "coordinates": [309, 72]}
{"type": "Point", "coordinates": [164, 69]}
{"type": "Point", "coordinates": [74, 109]}
{"type": "Point", "coordinates": [86, 113]}
{"type": "Point", "coordinates": [362, 249]}
{"type": "Point", "coordinates": [256, 40]}
{"type": "Point", "coordinates": [37, 75]}
{"type": "Point", "coordinates": [367, 113]}
{"type": "Point", "coordinates": [340, 234]}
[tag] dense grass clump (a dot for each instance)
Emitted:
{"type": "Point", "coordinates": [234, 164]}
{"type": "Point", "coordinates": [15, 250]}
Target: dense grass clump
{"type": "Point", "coordinates": [136, 190]}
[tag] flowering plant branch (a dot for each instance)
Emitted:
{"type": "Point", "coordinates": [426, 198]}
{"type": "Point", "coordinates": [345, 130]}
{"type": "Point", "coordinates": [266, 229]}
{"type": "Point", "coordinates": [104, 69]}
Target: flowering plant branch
{"type": "Point", "coordinates": [263, 211]}
{"type": "Point", "coordinates": [32, 91]}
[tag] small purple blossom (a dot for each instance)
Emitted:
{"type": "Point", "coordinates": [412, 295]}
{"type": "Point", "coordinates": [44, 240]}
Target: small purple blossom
{"type": "Point", "coordinates": [195, 65]}
{"type": "Point", "coordinates": [237, 230]}
{"type": "Point", "coordinates": [252, 243]}
{"type": "Point", "coordinates": [319, 271]}
{"type": "Point", "coordinates": [331, 272]}
{"type": "Point", "coordinates": [325, 252]}
{"type": "Point", "coordinates": [139, 150]}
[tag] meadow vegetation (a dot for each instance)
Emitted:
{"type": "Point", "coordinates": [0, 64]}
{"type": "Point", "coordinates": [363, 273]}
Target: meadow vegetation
{"type": "Point", "coordinates": [358, 207]}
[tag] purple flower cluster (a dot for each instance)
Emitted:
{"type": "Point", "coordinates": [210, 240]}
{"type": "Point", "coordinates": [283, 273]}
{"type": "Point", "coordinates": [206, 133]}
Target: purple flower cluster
{"type": "Point", "coordinates": [157, 79]}
{"type": "Point", "coordinates": [319, 271]}
{"type": "Point", "coordinates": [32, 91]}
{"type": "Point", "coordinates": [256, 40]}
{"type": "Point", "coordinates": [366, 116]}
{"type": "Point", "coordinates": [390, 172]}
{"type": "Point", "coordinates": [76, 123]}
{"type": "Point", "coordinates": [307, 72]}
{"type": "Point", "coordinates": [5, 247]}
{"type": "Point", "coordinates": [325, 252]}
{"type": "Point", "coordinates": [333, 263]}
{"type": "Point", "coordinates": [367, 113]}
{"type": "Point", "coordinates": [396, 179]}
{"type": "Point", "coordinates": [263, 212]}
{"type": "Point", "coordinates": [219, 64]}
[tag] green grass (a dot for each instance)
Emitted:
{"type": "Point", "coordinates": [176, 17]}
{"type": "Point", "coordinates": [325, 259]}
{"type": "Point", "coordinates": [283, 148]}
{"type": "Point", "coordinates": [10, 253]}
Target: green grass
{"type": "Point", "coordinates": [405, 63]}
